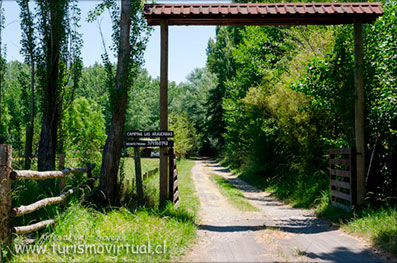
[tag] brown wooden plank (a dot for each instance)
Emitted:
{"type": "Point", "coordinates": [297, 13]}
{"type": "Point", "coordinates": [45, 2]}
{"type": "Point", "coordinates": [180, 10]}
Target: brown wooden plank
{"type": "Point", "coordinates": [341, 184]}
{"type": "Point", "coordinates": [163, 110]}
{"type": "Point", "coordinates": [342, 206]}
{"type": "Point", "coordinates": [340, 173]}
{"type": "Point", "coordinates": [341, 195]}
{"type": "Point", "coordinates": [345, 162]}
{"type": "Point", "coordinates": [340, 151]}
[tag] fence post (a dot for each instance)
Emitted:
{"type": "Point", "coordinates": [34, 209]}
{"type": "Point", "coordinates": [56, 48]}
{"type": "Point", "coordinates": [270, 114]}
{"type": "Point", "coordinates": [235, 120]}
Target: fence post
{"type": "Point", "coordinates": [61, 166]}
{"type": "Point", "coordinates": [5, 195]}
{"type": "Point", "coordinates": [138, 175]}
{"type": "Point", "coordinates": [89, 176]}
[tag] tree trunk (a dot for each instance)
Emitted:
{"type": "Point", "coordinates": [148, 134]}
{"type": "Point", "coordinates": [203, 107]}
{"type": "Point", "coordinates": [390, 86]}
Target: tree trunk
{"type": "Point", "coordinates": [1, 63]}
{"type": "Point", "coordinates": [112, 151]}
{"type": "Point", "coordinates": [138, 175]}
{"type": "Point", "coordinates": [49, 128]}
{"type": "Point", "coordinates": [30, 128]}
{"type": "Point", "coordinates": [5, 195]}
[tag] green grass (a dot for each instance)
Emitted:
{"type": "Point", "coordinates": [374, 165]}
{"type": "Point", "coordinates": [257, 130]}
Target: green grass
{"type": "Point", "coordinates": [233, 195]}
{"type": "Point", "coordinates": [93, 231]}
{"type": "Point", "coordinates": [147, 164]}
{"type": "Point", "coordinates": [380, 226]}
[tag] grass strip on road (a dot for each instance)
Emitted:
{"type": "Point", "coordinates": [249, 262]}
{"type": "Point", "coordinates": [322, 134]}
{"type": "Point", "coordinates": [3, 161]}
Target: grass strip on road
{"type": "Point", "coordinates": [233, 195]}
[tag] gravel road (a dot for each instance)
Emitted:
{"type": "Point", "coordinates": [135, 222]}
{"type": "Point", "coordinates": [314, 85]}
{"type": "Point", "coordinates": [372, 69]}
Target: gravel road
{"type": "Point", "coordinates": [277, 233]}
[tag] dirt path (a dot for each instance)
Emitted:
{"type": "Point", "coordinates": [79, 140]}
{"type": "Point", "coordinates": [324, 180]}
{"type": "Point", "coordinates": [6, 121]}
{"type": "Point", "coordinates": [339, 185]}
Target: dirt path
{"type": "Point", "coordinates": [276, 233]}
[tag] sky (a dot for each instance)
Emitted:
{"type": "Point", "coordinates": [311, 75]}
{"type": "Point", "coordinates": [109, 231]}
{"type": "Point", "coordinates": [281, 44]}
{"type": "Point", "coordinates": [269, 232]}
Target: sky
{"type": "Point", "coordinates": [187, 44]}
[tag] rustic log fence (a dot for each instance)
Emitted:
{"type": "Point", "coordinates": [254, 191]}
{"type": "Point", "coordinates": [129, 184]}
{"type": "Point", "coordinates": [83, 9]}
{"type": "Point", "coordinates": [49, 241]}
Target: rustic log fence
{"type": "Point", "coordinates": [7, 212]}
{"type": "Point", "coordinates": [342, 167]}
{"type": "Point", "coordinates": [150, 173]}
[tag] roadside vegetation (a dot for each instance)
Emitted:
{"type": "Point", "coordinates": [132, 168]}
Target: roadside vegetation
{"type": "Point", "coordinates": [169, 230]}
{"type": "Point", "coordinates": [233, 194]}
{"type": "Point", "coordinates": [285, 95]}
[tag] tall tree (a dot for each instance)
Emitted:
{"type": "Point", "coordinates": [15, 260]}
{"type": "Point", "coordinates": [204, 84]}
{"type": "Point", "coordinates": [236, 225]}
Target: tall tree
{"type": "Point", "coordinates": [2, 69]}
{"type": "Point", "coordinates": [59, 44]}
{"type": "Point", "coordinates": [130, 38]}
{"type": "Point", "coordinates": [28, 50]}
{"type": "Point", "coordinates": [220, 62]}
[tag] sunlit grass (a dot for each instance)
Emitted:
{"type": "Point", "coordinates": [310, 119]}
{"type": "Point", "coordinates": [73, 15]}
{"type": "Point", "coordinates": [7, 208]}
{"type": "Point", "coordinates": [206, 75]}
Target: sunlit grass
{"type": "Point", "coordinates": [379, 225]}
{"type": "Point", "coordinates": [105, 235]}
{"type": "Point", "coordinates": [233, 195]}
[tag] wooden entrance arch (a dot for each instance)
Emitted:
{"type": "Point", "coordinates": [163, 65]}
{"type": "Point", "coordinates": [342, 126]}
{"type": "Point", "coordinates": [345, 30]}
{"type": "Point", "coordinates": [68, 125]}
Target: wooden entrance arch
{"type": "Point", "coordinates": [266, 14]}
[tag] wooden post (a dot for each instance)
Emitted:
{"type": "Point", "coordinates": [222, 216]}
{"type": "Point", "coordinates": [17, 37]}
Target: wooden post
{"type": "Point", "coordinates": [5, 195]}
{"type": "Point", "coordinates": [171, 156]}
{"type": "Point", "coordinates": [164, 110]}
{"type": "Point", "coordinates": [62, 180]}
{"type": "Point", "coordinates": [359, 111]}
{"type": "Point", "coordinates": [90, 184]}
{"type": "Point", "coordinates": [138, 175]}
{"type": "Point", "coordinates": [61, 166]}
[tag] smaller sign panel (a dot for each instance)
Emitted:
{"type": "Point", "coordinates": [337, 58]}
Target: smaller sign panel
{"type": "Point", "coordinates": [151, 143]}
{"type": "Point", "coordinates": [149, 134]}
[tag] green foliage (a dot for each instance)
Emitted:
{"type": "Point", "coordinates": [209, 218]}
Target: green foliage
{"type": "Point", "coordinates": [139, 34]}
{"type": "Point", "coordinates": [191, 97]}
{"type": "Point", "coordinates": [220, 62]}
{"type": "Point", "coordinates": [85, 134]}
{"type": "Point", "coordinates": [143, 110]}
{"type": "Point", "coordinates": [381, 105]}
{"type": "Point", "coordinates": [185, 134]}
{"type": "Point", "coordinates": [290, 98]}
{"type": "Point", "coordinates": [379, 225]}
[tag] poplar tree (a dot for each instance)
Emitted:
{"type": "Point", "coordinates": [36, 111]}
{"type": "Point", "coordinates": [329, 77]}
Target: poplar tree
{"type": "Point", "coordinates": [130, 35]}
{"type": "Point", "coordinates": [58, 69]}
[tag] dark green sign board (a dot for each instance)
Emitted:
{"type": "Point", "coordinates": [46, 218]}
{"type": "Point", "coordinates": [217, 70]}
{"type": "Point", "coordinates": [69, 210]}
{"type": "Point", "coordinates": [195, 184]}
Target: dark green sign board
{"type": "Point", "coordinates": [151, 143]}
{"type": "Point", "coordinates": [149, 134]}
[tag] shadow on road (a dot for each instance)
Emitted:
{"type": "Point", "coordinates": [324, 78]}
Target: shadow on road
{"type": "Point", "coordinates": [231, 228]}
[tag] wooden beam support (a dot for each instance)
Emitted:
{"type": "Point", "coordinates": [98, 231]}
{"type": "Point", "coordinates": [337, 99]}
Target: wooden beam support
{"type": "Point", "coordinates": [5, 195]}
{"type": "Point", "coordinates": [164, 110]}
{"type": "Point", "coordinates": [359, 110]}
{"type": "Point", "coordinates": [23, 210]}
{"type": "Point", "coordinates": [35, 175]}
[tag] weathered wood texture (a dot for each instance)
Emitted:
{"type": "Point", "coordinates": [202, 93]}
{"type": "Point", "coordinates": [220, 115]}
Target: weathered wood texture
{"type": "Point", "coordinates": [23, 210]}
{"type": "Point", "coordinates": [138, 174]}
{"type": "Point", "coordinates": [5, 193]}
{"type": "Point", "coordinates": [164, 111]}
{"type": "Point", "coordinates": [173, 179]}
{"type": "Point", "coordinates": [342, 177]}
{"type": "Point", "coordinates": [359, 111]}
{"type": "Point", "coordinates": [35, 175]}
{"type": "Point", "coordinates": [32, 228]}
{"type": "Point", "coordinates": [61, 167]}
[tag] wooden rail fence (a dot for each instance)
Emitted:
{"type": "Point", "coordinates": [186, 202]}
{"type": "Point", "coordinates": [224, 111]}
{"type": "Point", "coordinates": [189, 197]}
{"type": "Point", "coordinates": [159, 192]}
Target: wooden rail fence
{"type": "Point", "coordinates": [150, 173]}
{"type": "Point", "coordinates": [7, 212]}
{"type": "Point", "coordinates": [342, 169]}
